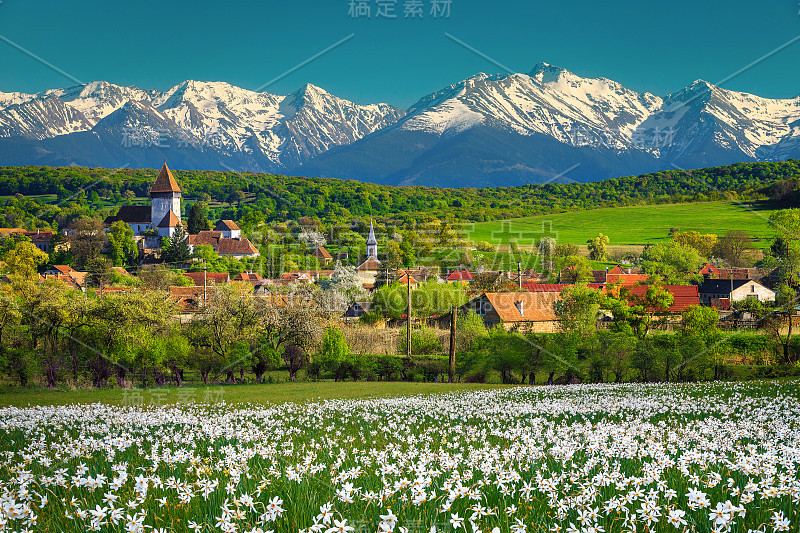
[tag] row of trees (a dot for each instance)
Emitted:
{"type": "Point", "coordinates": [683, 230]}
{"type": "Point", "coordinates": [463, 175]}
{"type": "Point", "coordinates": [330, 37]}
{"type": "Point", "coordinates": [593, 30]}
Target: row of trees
{"type": "Point", "coordinates": [255, 198]}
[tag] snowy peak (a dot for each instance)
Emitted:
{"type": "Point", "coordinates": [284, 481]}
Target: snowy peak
{"type": "Point", "coordinates": [503, 121]}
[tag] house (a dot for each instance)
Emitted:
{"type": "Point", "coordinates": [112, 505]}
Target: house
{"type": "Point", "coordinates": [423, 274]}
{"type": "Point", "coordinates": [709, 271]}
{"type": "Point", "coordinates": [734, 290]}
{"type": "Point", "coordinates": [238, 248]}
{"type": "Point", "coordinates": [405, 278]}
{"type": "Point", "coordinates": [210, 277]}
{"type": "Point", "coordinates": [684, 296]}
{"type": "Point", "coordinates": [313, 276]}
{"type": "Point", "coordinates": [250, 277]}
{"type": "Point", "coordinates": [546, 287]}
{"type": "Point", "coordinates": [189, 299]}
{"type": "Point", "coordinates": [224, 246]}
{"type": "Point", "coordinates": [460, 276]}
{"type": "Point", "coordinates": [529, 311]}
{"type": "Point", "coordinates": [228, 229]}
{"type": "Point", "coordinates": [120, 271]}
{"type": "Point", "coordinates": [106, 291]}
{"type": "Point", "coordinates": [169, 225]}
{"type": "Point", "coordinates": [619, 275]}
{"type": "Point", "coordinates": [59, 270]}
{"type": "Point", "coordinates": [78, 284]}
{"type": "Point", "coordinates": [40, 239]}
{"type": "Point", "coordinates": [358, 309]}
{"type": "Point", "coordinates": [323, 256]}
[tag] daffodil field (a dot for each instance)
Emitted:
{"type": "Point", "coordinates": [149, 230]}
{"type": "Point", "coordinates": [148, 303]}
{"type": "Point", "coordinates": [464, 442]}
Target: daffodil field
{"type": "Point", "coordinates": [585, 458]}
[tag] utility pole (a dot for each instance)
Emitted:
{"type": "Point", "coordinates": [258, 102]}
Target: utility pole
{"type": "Point", "coordinates": [453, 315]}
{"type": "Point", "coordinates": [205, 285]}
{"type": "Point", "coordinates": [408, 315]}
{"type": "Point", "coordinates": [519, 273]}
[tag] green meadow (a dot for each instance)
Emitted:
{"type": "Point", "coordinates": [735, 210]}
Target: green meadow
{"type": "Point", "coordinates": [636, 225]}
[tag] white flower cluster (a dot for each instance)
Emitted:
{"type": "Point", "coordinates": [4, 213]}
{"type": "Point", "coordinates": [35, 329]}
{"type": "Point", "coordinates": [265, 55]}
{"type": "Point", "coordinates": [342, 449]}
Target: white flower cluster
{"type": "Point", "coordinates": [718, 458]}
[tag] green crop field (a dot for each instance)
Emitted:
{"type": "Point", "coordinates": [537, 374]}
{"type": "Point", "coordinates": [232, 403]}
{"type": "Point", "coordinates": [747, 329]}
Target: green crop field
{"type": "Point", "coordinates": [637, 225]}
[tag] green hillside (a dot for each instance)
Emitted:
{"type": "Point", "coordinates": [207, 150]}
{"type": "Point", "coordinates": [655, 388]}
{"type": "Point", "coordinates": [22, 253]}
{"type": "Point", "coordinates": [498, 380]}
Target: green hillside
{"type": "Point", "coordinates": [634, 225]}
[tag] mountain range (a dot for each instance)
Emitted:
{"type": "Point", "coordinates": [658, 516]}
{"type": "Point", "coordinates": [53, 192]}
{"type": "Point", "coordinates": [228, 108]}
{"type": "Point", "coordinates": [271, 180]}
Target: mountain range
{"type": "Point", "coordinates": [487, 130]}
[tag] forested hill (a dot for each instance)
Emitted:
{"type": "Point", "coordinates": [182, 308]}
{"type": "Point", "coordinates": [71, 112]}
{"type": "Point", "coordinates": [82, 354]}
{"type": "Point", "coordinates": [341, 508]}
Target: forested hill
{"type": "Point", "coordinates": [266, 197]}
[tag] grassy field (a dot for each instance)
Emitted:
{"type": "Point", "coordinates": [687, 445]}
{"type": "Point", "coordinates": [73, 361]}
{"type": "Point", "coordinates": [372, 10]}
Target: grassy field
{"type": "Point", "coordinates": [234, 394]}
{"type": "Point", "coordinates": [638, 225]}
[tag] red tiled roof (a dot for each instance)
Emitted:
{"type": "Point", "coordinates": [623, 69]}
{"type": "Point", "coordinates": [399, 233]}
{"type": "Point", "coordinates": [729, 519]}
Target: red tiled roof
{"type": "Point", "coordinates": [64, 269]}
{"type": "Point", "coordinates": [169, 220]}
{"type": "Point", "coordinates": [626, 279]}
{"type": "Point", "coordinates": [370, 264]}
{"type": "Point", "coordinates": [228, 225]}
{"type": "Point", "coordinates": [524, 306]}
{"type": "Point", "coordinates": [248, 276]}
{"type": "Point", "coordinates": [709, 269]}
{"type": "Point", "coordinates": [460, 275]}
{"type": "Point", "coordinates": [684, 296]}
{"type": "Point", "coordinates": [546, 287]}
{"type": "Point", "coordinates": [165, 182]}
{"type": "Point", "coordinates": [236, 247]}
{"type": "Point", "coordinates": [210, 238]}
{"type": "Point", "coordinates": [39, 236]}
{"type": "Point", "coordinates": [211, 277]}
{"type": "Point", "coordinates": [322, 253]}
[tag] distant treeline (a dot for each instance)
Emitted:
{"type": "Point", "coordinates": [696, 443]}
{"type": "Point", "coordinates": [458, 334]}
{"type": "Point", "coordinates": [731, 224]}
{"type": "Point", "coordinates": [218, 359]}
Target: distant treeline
{"type": "Point", "coordinates": [268, 197]}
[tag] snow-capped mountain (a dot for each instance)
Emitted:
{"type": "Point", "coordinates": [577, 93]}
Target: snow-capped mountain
{"type": "Point", "coordinates": [531, 128]}
{"type": "Point", "coordinates": [266, 131]}
{"type": "Point", "coordinates": [485, 130]}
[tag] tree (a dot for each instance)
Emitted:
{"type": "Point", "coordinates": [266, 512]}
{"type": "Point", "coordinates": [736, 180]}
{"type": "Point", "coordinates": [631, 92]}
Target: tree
{"type": "Point", "coordinates": [176, 250]}
{"type": "Point", "coordinates": [123, 247]}
{"type": "Point", "coordinates": [700, 324]}
{"type": "Point", "coordinates": [597, 247]}
{"type": "Point", "coordinates": [734, 248]}
{"type": "Point", "coordinates": [575, 269]}
{"type": "Point", "coordinates": [344, 288]}
{"type": "Point", "coordinates": [785, 249]}
{"type": "Point", "coordinates": [278, 327]}
{"type": "Point", "coordinates": [547, 250]}
{"type": "Point", "coordinates": [22, 262]}
{"type": "Point", "coordinates": [424, 341]}
{"type": "Point", "coordinates": [578, 309]}
{"type": "Point", "coordinates": [704, 244]}
{"type": "Point", "coordinates": [312, 239]}
{"type": "Point", "coordinates": [87, 239]}
{"type": "Point", "coordinates": [198, 218]}
{"type": "Point", "coordinates": [334, 353]}
{"type": "Point", "coordinates": [228, 318]}
{"type": "Point", "coordinates": [672, 262]}
{"type": "Point", "coordinates": [295, 359]}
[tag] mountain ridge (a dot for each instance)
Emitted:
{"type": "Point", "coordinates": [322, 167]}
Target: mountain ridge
{"type": "Point", "coordinates": [517, 128]}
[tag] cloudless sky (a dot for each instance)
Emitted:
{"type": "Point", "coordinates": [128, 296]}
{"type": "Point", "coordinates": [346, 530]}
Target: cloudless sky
{"type": "Point", "coordinates": [658, 47]}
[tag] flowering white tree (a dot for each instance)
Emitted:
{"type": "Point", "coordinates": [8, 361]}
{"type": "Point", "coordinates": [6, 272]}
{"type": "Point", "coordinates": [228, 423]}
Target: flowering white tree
{"type": "Point", "coordinates": [312, 239]}
{"type": "Point", "coordinates": [344, 288]}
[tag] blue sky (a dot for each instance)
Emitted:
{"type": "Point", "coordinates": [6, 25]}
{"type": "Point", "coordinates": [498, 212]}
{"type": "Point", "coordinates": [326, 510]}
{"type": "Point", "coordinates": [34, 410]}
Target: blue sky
{"type": "Point", "coordinates": [654, 46]}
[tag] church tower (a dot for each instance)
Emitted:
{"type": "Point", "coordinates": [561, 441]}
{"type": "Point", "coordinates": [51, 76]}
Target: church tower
{"type": "Point", "coordinates": [165, 197]}
{"type": "Point", "coordinates": [372, 243]}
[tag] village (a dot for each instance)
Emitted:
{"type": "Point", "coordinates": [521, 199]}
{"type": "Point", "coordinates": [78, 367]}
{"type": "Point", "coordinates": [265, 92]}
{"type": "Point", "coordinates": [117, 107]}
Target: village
{"type": "Point", "coordinates": [363, 313]}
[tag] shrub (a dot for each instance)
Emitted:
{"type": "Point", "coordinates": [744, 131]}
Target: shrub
{"type": "Point", "coordinates": [424, 341]}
